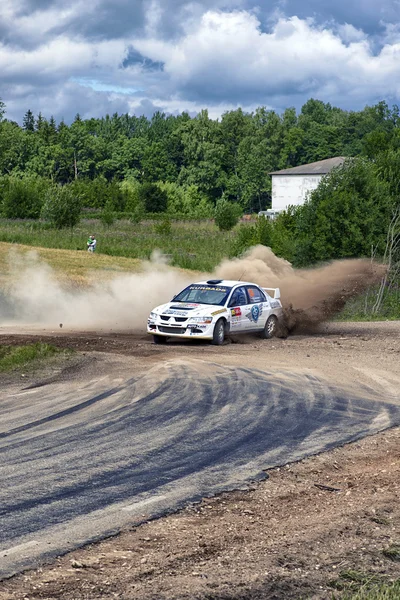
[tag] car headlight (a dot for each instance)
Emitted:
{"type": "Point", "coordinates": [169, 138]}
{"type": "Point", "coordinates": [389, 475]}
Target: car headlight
{"type": "Point", "coordinates": [206, 320]}
{"type": "Point", "coordinates": [153, 315]}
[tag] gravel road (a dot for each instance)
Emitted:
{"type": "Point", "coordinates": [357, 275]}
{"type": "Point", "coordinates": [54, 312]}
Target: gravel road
{"type": "Point", "coordinates": [187, 421]}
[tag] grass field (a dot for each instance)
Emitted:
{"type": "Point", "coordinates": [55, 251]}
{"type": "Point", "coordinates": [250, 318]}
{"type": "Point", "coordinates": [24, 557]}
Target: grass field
{"type": "Point", "coordinates": [197, 245]}
{"type": "Point", "coordinates": [194, 245]}
{"type": "Point", "coordinates": [78, 268]}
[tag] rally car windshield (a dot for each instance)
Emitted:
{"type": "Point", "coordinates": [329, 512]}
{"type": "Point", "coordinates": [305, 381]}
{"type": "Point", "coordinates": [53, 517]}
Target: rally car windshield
{"type": "Point", "coordinates": [204, 294]}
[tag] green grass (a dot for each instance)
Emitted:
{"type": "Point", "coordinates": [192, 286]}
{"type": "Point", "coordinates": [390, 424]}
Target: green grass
{"type": "Point", "coordinates": [196, 245]}
{"type": "Point", "coordinates": [17, 357]}
{"type": "Point", "coordinates": [356, 585]}
{"type": "Point", "coordinates": [387, 591]}
{"type": "Point", "coordinates": [359, 308]}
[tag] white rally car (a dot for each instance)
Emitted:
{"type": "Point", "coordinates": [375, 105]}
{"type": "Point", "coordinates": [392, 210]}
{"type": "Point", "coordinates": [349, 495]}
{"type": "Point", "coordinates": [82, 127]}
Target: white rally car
{"type": "Point", "coordinates": [210, 310]}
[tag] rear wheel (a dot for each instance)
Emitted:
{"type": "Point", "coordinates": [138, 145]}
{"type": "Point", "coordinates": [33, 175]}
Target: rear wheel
{"type": "Point", "coordinates": [159, 339]}
{"type": "Point", "coordinates": [219, 333]}
{"type": "Point", "coordinates": [271, 328]}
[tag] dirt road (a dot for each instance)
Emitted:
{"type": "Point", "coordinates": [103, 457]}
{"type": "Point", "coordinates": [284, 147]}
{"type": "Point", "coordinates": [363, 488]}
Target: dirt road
{"type": "Point", "coordinates": [323, 520]}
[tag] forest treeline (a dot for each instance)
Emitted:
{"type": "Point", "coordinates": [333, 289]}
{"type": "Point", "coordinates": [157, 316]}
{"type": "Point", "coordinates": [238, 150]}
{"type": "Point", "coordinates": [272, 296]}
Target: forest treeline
{"type": "Point", "coordinates": [185, 166]}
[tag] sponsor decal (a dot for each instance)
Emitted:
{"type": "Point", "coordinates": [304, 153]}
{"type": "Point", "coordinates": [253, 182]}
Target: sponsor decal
{"type": "Point", "coordinates": [177, 313]}
{"type": "Point", "coordinates": [196, 326]}
{"type": "Point", "coordinates": [208, 289]}
{"type": "Point", "coordinates": [218, 312]}
{"type": "Point", "coordinates": [255, 313]}
{"type": "Point", "coordinates": [236, 312]}
{"type": "Point", "coordinates": [235, 321]}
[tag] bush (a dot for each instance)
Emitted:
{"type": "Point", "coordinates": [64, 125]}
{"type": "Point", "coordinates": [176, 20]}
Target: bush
{"type": "Point", "coordinates": [134, 206]}
{"type": "Point", "coordinates": [226, 215]}
{"type": "Point", "coordinates": [252, 235]}
{"type": "Point", "coordinates": [62, 207]}
{"type": "Point", "coordinates": [264, 229]}
{"type": "Point", "coordinates": [186, 200]}
{"type": "Point", "coordinates": [246, 237]}
{"type": "Point", "coordinates": [153, 197]}
{"type": "Point", "coordinates": [108, 215]}
{"type": "Point", "coordinates": [138, 213]}
{"type": "Point", "coordinates": [22, 198]}
{"type": "Point", "coordinates": [163, 227]}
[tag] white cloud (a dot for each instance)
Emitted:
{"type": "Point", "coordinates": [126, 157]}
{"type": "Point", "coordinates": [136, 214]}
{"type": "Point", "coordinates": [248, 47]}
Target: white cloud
{"type": "Point", "coordinates": [348, 33]}
{"type": "Point", "coordinates": [60, 58]}
{"type": "Point", "coordinates": [228, 55]}
{"type": "Point", "coordinates": [241, 55]}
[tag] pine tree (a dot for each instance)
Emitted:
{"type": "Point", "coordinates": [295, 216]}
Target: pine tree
{"type": "Point", "coordinates": [39, 122]}
{"type": "Point", "coordinates": [28, 122]}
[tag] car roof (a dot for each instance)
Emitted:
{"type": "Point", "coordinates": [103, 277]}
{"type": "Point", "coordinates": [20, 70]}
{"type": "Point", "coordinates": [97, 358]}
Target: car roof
{"type": "Point", "coordinates": [224, 282]}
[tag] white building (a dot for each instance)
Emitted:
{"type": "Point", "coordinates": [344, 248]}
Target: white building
{"type": "Point", "coordinates": [290, 187]}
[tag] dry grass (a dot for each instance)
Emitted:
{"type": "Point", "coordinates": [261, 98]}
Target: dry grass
{"type": "Point", "coordinates": [78, 267]}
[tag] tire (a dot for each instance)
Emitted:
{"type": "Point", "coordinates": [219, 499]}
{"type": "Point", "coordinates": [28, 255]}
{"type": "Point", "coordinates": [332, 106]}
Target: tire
{"type": "Point", "coordinates": [271, 328]}
{"type": "Point", "coordinates": [219, 333]}
{"type": "Point", "coordinates": [159, 339]}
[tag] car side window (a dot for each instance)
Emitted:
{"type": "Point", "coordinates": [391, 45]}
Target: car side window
{"type": "Point", "coordinates": [239, 297]}
{"type": "Point", "coordinates": [255, 294]}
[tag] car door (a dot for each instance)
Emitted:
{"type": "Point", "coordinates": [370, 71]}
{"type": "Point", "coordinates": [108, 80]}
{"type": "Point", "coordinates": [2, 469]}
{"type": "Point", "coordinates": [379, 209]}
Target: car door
{"type": "Point", "coordinates": [236, 306]}
{"type": "Point", "coordinates": [255, 312]}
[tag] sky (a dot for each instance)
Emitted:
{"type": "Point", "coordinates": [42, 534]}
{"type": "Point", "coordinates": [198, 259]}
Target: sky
{"type": "Point", "coordinates": [94, 58]}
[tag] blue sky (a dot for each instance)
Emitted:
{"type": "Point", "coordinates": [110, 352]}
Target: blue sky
{"type": "Point", "coordinates": [138, 56]}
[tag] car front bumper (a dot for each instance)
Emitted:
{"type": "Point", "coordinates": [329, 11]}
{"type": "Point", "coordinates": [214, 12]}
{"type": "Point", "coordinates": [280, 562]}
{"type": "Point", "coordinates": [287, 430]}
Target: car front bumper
{"type": "Point", "coordinates": [191, 330]}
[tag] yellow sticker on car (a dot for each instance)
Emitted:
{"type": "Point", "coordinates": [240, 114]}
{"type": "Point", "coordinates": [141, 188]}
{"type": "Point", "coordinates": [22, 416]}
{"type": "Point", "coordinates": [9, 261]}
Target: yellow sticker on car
{"type": "Point", "coordinates": [218, 312]}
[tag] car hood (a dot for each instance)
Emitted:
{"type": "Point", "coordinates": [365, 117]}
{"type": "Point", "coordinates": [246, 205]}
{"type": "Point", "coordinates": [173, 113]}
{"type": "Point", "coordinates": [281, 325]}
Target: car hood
{"type": "Point", "coordinates": [187, 309]}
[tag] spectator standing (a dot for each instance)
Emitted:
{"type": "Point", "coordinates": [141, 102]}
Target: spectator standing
{"type": "Point", "coordinates": [91, 243]}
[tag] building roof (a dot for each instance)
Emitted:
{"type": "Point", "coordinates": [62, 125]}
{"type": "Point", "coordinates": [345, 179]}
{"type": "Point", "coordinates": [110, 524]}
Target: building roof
{"type": "Point", "coordinates": [320, 167]}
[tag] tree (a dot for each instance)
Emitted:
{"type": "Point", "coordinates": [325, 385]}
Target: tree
{"type": "Point", "coordinates": [23, 198]}
{"type": "Point", "coordinates": [2, 109]}
{"type": "Point", "coordinates": [346, 216]}
{"type": "Point", "coordinates": [153, 198]}
{"type": "Point", "coordinates": [28, 122]}
{"type": "Point", "coordinates": [226, 215]}
{"type": "Point", "coordinates": [62, 208]}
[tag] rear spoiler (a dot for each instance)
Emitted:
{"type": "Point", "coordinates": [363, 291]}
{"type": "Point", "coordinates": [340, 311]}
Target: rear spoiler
{"type": "Point", "coordinates": [276, 292]}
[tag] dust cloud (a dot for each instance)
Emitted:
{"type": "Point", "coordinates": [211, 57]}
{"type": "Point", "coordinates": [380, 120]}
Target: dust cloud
{"type": "Point", "coordinates": [309, 296]}
{"type": "Point", "coordinates": [34, 296]}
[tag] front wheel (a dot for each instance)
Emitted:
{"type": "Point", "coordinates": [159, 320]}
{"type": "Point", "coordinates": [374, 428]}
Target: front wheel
{"type": "Point", "coordinates": [271, 328]}
{"type": "Point", "coordinates": [159, 339]}
{"type": "Point", "coordinates": [219, 333]}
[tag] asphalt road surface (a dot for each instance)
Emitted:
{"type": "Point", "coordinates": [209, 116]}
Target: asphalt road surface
{"type": "Point", "coordinates": [82, 461]}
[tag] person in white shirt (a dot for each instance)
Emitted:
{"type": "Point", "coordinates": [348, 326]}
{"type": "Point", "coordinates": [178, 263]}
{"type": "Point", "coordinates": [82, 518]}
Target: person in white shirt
{"type": "Point", "coordinates": [91, 243]}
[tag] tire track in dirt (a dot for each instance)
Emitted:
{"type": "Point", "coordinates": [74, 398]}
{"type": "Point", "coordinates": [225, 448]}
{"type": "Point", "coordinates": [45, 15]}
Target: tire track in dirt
{"type": "Point", "coordinates": [80, 463]}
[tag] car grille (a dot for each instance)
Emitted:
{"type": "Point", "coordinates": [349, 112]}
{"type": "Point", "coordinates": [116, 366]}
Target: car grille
{"type": "Point", "coordinates": [177, 319]}
{"type": "Point", "coordinates": [176, 330]}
